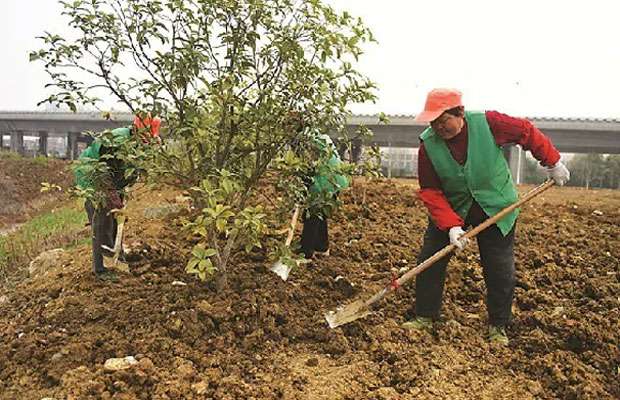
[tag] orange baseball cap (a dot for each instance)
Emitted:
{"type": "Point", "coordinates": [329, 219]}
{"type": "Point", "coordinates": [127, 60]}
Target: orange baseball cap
{"type": "Point", "coordinates": [438, 101]}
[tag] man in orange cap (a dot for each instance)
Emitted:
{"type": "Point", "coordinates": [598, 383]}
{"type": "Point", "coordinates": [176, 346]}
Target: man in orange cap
{"type": "Point", "coordinates": [464, 178]}
{"type": "Point", "coordinates": [108, 188]}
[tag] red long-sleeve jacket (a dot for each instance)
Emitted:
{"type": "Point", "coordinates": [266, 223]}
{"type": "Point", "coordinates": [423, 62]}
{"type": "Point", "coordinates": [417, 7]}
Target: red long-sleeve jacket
{"type": "Point", "coordinates": [506, 130]}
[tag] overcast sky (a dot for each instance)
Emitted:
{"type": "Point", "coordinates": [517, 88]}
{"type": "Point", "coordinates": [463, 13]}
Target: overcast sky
{"type": "Point", "coordinates": [529, 57]}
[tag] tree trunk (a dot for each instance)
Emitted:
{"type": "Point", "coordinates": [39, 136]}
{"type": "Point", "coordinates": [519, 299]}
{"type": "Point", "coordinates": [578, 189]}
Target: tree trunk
{"type": "Point", "coordinates": [221, 282]}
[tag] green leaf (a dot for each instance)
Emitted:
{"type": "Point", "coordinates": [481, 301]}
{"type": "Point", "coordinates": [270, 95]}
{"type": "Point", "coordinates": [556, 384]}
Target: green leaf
{"type": "Point", "coordinates": [199, 251]}
{"type": "Point", "coordinates": [227, 186]}
{"type": "Point", "coordinates": [191, 265]}
{"type": "Point", "coordinates": [383, 118]}
{"type": "Point", "coordinates": [210, 268]}
{"type": "Point", "coordinates": [221, 224]}
{"type": "Point", "coordinates": [227, 214]}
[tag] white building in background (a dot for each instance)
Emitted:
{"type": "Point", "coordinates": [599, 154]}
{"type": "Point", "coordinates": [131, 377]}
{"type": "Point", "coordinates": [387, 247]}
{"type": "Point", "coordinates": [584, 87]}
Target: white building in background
{"type": "Point", "coordinates": [399, 161]}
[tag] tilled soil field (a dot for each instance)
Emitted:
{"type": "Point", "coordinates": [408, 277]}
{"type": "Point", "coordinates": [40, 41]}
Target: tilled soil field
{"type": "Point", "coordinates": [266, 339]}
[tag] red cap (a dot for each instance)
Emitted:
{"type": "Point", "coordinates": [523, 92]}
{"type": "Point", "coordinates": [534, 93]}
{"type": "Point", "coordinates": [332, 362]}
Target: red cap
{"type": "Point", "coordinates": [438, 101]}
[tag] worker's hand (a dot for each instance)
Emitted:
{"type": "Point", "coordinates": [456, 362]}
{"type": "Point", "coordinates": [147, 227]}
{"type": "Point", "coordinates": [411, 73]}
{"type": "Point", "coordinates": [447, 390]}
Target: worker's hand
{"type": "Point", "coordinates": [559, 173]}
{"type": "Point", "coordinates": [455, 234]}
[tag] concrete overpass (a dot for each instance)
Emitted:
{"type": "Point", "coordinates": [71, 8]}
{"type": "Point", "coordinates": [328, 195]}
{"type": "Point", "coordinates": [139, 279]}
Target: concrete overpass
{"type": "Point", "coordinates": [600, 136]}
{"type": "Point", "coordinates": [568, 135]}
{"type": "Point", "coordinates": [45, 125]}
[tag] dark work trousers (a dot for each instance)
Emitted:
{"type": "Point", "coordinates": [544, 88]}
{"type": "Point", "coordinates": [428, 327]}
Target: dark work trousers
{"type": "Point", "coordinates": [103, 229]}
{"type": "Point", "coordinates": [314, 236]}
{"type": "Point", "coordinates": [497, 259]}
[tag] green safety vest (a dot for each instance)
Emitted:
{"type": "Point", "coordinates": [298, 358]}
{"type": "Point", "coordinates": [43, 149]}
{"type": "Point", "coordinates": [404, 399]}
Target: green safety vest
{"type": "Point", "coordinates": [326, 180]}
{"type": "Point", "coordinates": [485, 176]}
{"type": "Point", "coordinates": [93, 151]}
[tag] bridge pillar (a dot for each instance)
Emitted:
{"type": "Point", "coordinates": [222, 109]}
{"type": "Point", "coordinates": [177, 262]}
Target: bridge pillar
{"type": "Point", "coordinates": [72, 145]}
{"type": "Point", "coordinates": [516, 162]}
{"type": "Point", "coordinates": [17, 142]}
{"type": "Point", "coordinates": [43, 143]}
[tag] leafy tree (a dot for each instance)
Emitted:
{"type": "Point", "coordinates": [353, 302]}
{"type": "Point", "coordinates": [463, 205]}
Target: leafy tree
{"type": "Point", "coordinates": [613, 171]}
{"type": "Point", "coordinates": [225, 76]}
{"type": "Point", "coordinates": [587, 170]}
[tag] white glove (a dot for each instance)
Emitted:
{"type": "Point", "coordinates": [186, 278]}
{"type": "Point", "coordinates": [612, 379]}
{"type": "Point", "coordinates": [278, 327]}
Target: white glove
{"type": "Point", "coordinates": [455, 234]}
{"type": "Point", "coordinates": [559, 173]}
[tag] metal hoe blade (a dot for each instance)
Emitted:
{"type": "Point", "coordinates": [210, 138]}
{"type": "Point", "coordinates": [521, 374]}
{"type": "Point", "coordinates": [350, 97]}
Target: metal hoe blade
{"type": "Point", "coordinates": [349, 313]}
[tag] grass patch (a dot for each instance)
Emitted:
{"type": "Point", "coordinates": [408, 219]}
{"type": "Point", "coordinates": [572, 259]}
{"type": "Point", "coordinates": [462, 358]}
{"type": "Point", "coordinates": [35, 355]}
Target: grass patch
{"type": "Point", "coordinates": [79, 242]}
{"type": "Point", "coordinates": [40, 160]}
{"type": "Point", "coordinates": [13, 156]}
{"type": "Point", "coordinates": [59, 227]}
{"type": "Point", "coordinates": [10, 155]}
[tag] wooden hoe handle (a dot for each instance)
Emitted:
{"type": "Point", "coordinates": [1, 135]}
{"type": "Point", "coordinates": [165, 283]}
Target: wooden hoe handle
{"type": "Point", "coordinates": [291, 230]}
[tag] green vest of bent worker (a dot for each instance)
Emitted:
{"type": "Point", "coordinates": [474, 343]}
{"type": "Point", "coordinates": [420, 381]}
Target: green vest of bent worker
{"type": "Point", "coordinates": [83, 173]}
{"type": "Point", "coordinates": [485, 176]}
{"type": "Point", "coordinates": [327, 179]}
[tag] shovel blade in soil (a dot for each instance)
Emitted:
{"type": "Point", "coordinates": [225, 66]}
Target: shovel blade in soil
{"type": "Point", "coordinates": [346, 314]}
{"type": "Point", "coordinates": [281, 269]}
{"type": "Point", "coordinates": [116, 264]}
{"type": "Point", "coordinates": [284, 270]}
